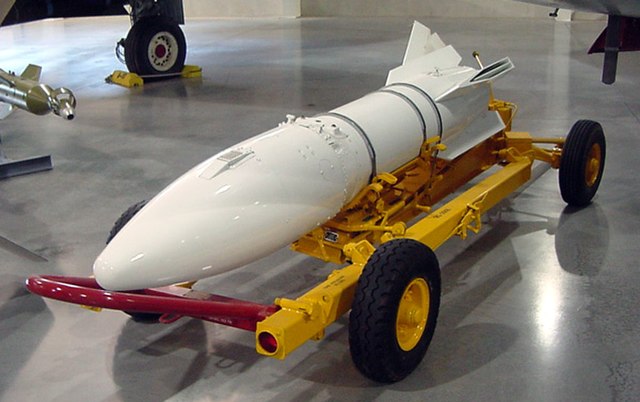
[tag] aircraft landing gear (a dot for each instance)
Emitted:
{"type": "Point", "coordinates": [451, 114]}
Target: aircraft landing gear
{"type": "Point", "coordinates": [155, 46]}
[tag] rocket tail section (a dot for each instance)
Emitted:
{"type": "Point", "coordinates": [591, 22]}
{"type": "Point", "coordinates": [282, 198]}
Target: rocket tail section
{"type": "Point", "coordinates": [421, 42]}
{"type": "Point", "coordinates": [485, 76]}
{"type": "Point", "coordinates": [32, 72]}
{"type": "Point", "coordinates": [493, 71]}
{"type": "Point", "coordinates": [458, 94]}
{"type": "Point", "coordinates": [484, 126]}
{"type": "Point", "coordinates": [425, 53]}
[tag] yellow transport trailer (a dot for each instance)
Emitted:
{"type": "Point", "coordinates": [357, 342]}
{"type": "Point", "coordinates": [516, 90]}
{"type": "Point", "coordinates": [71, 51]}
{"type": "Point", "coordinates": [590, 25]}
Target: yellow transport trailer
{"type": "Point", "coordinates": [386, 235]}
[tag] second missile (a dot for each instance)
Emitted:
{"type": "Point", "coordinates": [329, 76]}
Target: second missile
{"type": "Point", "coordinates": [27, 93]}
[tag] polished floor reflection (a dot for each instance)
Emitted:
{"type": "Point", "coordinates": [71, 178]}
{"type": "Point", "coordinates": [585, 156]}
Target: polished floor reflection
{"type": "Point", "coordinates": [541, 305]}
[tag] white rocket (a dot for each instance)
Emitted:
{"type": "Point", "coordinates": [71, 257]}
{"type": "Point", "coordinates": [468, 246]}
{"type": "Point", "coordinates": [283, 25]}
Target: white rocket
{"type": "Point", "coordinates": [264, 193]}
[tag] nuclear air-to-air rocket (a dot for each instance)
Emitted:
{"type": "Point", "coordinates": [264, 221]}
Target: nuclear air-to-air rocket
{"type": "Point", "coordinates": [24, 91]}
{"type": "Point", "coordinates": [264, 193]}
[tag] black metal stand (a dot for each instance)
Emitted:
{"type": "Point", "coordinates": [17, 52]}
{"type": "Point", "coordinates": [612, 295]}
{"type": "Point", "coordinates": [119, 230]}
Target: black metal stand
{"type": "Point", "coordinates": [611, 49]}
{"type": "Point", "coordinates": [10, 168]}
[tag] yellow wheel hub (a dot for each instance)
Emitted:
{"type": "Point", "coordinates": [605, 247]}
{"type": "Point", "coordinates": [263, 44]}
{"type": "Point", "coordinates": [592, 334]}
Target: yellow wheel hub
{"type": "Point", "coordinates": [413, 312]}
{"type": "Point", "coordinates": [593, 165]}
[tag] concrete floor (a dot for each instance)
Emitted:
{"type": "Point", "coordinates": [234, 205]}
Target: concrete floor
{"type": "Point", "coordinates": [541, 305]}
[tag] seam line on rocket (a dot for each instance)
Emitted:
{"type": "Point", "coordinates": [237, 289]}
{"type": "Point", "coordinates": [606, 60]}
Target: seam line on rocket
{"type": "Point", "coordinates": [413, 106]}
{"type": "Point", "coordinates": [428, 97]}
{"type": "Point", "coordinates": [363, 134]}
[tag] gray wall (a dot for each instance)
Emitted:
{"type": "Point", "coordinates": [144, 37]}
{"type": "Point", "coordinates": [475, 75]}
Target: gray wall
{"type": "Point", "coordinates": [241, 8]}
{"type": "Point", "coordinates": [435, 8]}
{"type": "Point", "coordinates": [365, 8]}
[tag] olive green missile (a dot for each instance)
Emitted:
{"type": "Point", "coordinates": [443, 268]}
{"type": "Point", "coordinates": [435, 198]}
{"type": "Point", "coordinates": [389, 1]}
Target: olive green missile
{"type": "Point", "coordinates": [25, 92]}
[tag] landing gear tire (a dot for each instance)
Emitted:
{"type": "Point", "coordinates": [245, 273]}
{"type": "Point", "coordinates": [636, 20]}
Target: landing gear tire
{"type": "Point", "coordinates": [582, 163]}
{"type": "Point", "coordinates": [154, 46]}
{"type": "Point", "coordinates": [126, 216]}
{"type": "Point", "coordinates": [394, 310]}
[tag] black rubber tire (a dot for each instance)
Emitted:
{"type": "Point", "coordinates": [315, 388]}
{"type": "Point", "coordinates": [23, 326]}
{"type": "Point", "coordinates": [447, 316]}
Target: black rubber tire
{"type": "Point", "coordinates": [120, 223]}
{"type": "Point", "coordinates": [136, 47]}
{"type": "Point", "coordinates": [144, 318]}
{"type": "Point", "coordinates": [578, 186]}
{"type": "Point", "coordinates": [125, 218]}
{"type": "Point", "coordinates": [373, 339]}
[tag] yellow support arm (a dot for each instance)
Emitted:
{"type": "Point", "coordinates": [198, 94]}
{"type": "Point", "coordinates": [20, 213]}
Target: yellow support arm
{"type": "Point", "coordinates": [306, 317]}
{"type": "Point", "coordinates": [460, 214]}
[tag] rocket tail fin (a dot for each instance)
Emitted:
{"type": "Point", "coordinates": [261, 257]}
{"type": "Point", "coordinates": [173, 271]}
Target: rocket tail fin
{"type": "Point", "coordinates": [425, 53]}
{"type": "Point", "coordinates": [481, 128]}
{"type": "Point", "coordinates": [487, 75]}
{"type": "Point", "coordinates": [32, 72]}
{"type": "Point", "coordinates": [421, 41]}
{"type": "Point", "coordinates": [493, 71]}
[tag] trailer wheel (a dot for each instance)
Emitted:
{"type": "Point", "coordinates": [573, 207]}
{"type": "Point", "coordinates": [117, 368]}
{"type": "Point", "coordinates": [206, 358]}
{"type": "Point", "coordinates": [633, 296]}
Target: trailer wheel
{"type": "Point", "coordinates": [394, 310]}
{"type": "Point", "coordinates": [582, 163]}
{"type": "Point", "coordinates": [117, 226]}
{"type": "Point", "coordinates": [155, 45]}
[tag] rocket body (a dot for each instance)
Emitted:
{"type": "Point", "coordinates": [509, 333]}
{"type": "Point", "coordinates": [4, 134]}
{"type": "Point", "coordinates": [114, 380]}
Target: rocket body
{"type": "Point", "coordinates": [25, 92]}
{"type": "Point", "coordinates": [264, 193]}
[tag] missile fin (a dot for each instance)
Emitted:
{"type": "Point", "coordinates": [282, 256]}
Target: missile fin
{"type": "Point", "coordinates": [3, 79]}
{"type": "Point", "coordinates": [487, 75]}
{"type": "Point", "coordinates": [440, 59]}
{"type": "Point", "coordinates": [422, 41]}
{"type": "Point", "coordinates": [425, 53]}
{"type": "Point", "coordinates": [5, 110]}
{"type": "Point", "coordinates": [481, 128]}
{"type": "Point", "coordinates": [493, 71]}
{"type": "Point", "coordinates": [32, 72]}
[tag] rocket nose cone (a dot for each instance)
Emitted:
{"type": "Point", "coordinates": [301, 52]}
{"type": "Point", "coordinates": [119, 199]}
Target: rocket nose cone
{"type": "Point", "coordinates": [114, 274]}
{"type": "Point", "coordinates": [144, 254]}
{"type": "Point", "coordinates": [103, 270]}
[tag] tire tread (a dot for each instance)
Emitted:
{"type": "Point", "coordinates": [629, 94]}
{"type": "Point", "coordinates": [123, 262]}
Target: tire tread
{"type": "Point", "coordinates": [576, 149]}
{"type": "Point", "coordinates": [372, 337]}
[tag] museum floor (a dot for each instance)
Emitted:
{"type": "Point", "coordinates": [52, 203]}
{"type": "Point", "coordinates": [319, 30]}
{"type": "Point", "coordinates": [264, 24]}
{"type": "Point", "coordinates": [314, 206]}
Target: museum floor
{"type": "Point", "coordinates": [542, 305]}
